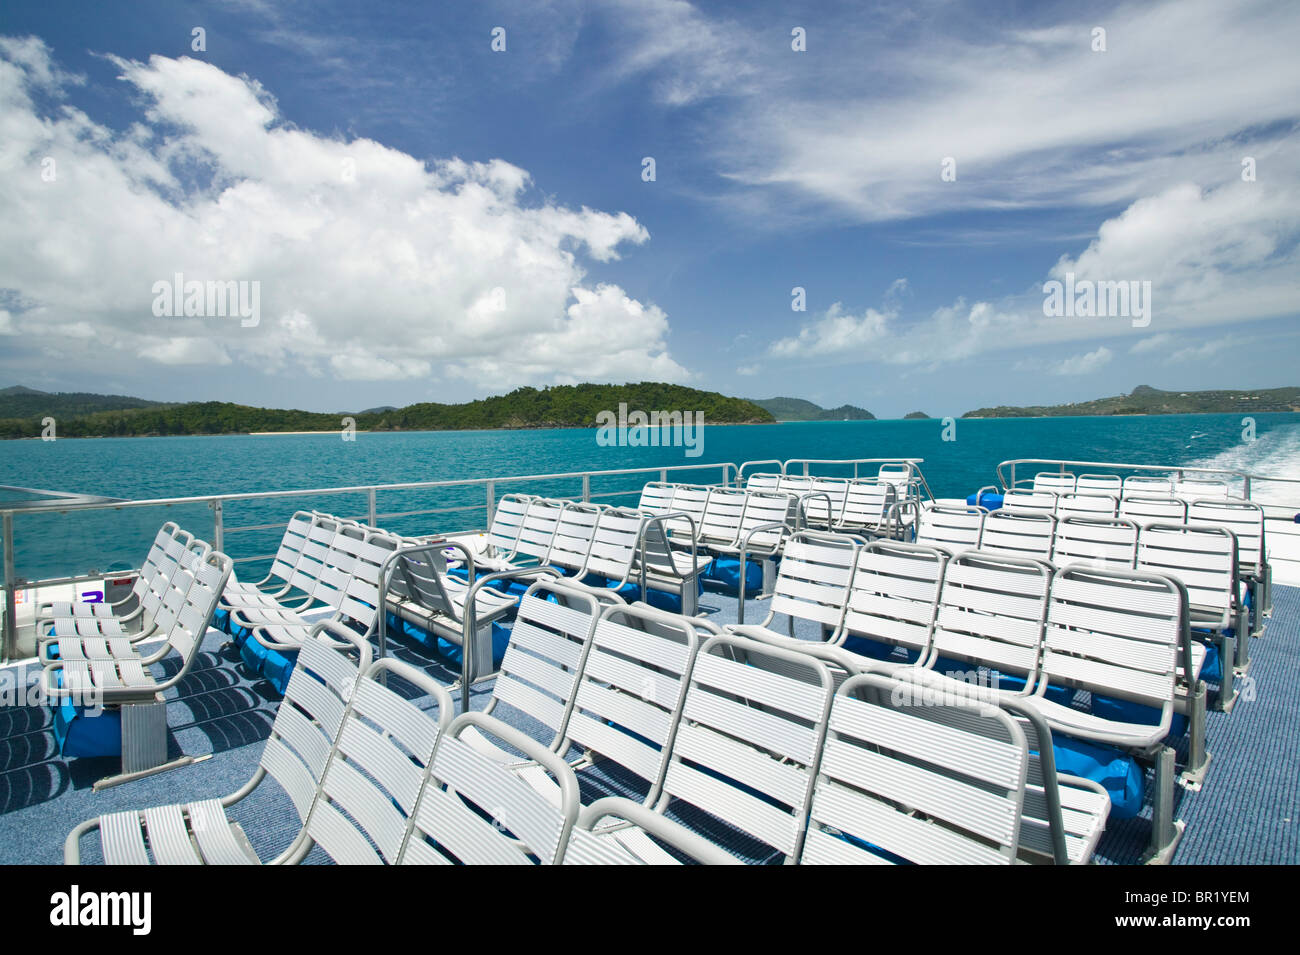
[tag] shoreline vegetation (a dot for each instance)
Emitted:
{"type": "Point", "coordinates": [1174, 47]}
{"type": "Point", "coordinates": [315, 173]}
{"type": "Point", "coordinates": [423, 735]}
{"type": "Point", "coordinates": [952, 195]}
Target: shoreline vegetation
{"type": "Point", "coordinates": [24, 413]}
{"type": "Point", "coordinates": [1145, 400]}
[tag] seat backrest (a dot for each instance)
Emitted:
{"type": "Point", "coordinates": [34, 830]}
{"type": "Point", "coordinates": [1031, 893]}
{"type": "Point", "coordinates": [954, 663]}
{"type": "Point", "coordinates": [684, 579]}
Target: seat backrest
{"type": "Point", "coordinates": [614, 546]}
{"type": "Point", "coordinates": [825, 501]}
{"type": "Point", "coordinates": [1100, 541]}
{"type": "Point", "coordinates": [157, 563]}
{"type": "Point", "coordinates": [897, 475]}
{"type": "Point", "coordinates": [340, 565]}
{"type": "Point", "coordinates": [1246, 521]}
{"type": "Point", "coordinates": [908, 776]}
{"type": "Point", "coordinates": [630, 691]}
{"type": "Point", "coordinates": [169, 596]}
{"type": "Point", "coordinates": [766, 507]}
{"type": "Point", "coordinates": [186, 635]}
{"type": "Point", "coordinates": [1020, 533]}
{"type": "Point", "coordinates": [991, 611]}
{"type": "Point", "coordinates": [721, 521]}
{"type": "Point", "coordinates": [1055, 481]}
{"type": "Point", "coordinates": [1202, 558]}
{"type": "Point", "coordinates": [867, 503]}
{"type": "Point", "coordinates": [535, 535]}
{"type": "Point", "coordinates": [289, 552]}
{"type": "Point", "coordinates": [309, 716]}
{"type": "Point", "coordinates": [507, 519]}
{"type": "Point", "coordinates": [315, 553]}
{"type": "Point", "coordinates": [475, 810]}
{"type": "Point", "coordinates": [1087, 505]}
{"type": "Point", "coordinates": [165, 559]}
{"type": "Point", "coordinates": [813, 583]}
{"type": "Point", "coordinates": [548, 644]}
{"type": "Point", "coordinates": [361, 600]}
{"type": "Point", "coordinates": [1099, 484]}
{"type": "Point", "coordinates": [750, 736]}
{"type": "Point", "coordinates": [1041, 501]}
{"type": "Point", "coordinates": [1115, 634]}
{"type": "Point", "coordinates": [689, 499]}
{"type": "Point", "coordinates": [657, 497]}
{"type": "Point", "coordinates": [574, 532]}
{"type": "Point", "coordinates": [763, 482]}
{"type": "Point", "coordinates": [1141, 485]}
{"type": "Point", "coordinates": [1147, 509]}
{"type": "Point", "coordinates": [1200, 489]}
{"type": "Point", "coordinates": [894, 594]}
{"type": "Point", "coordinates": [799, 484]}
{"type": "Point", "coordinates": [375, 774]}
{"type": "Point", "coordinates": [418, 577]}
{"type": "Point", "coordinates": [949, 526]}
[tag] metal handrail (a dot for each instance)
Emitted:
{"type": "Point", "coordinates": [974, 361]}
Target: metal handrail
{"type": "Point", "coordinates": [66, 503]}
{"type": "Point", "coordinates": [913, 463]}
{"type": "Point", "coordinates": [1179, 469]}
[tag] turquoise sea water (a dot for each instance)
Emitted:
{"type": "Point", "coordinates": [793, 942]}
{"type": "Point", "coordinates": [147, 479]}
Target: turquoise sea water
{"type": "Point", "coordinates": [50, 544]}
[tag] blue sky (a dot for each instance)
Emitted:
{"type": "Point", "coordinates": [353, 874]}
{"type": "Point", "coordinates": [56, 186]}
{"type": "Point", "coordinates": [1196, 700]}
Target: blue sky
{"type": "Point", "coordinates": [430, 219]}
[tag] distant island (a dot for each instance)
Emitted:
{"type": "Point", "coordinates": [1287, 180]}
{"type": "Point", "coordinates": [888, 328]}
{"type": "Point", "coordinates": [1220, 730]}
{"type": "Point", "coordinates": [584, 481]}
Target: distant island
{"type": "Point", "coordinates": [1147, 400]}
{"type": "Point", "coordinates": [916, 416]}
{"type": "Point", "coordinates": [797, 409]}
{"type": "Point", "coordinates": [564, 406]}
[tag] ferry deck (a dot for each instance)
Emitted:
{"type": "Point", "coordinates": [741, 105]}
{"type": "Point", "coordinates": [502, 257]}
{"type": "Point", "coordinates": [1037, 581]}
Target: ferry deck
{"type": "Point", "coordinates": [220, 713]}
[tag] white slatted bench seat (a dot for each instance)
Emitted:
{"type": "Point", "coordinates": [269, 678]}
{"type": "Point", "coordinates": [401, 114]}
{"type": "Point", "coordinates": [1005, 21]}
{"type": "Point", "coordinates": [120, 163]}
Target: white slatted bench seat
{"type": "Point", "coordinates": [950, 527]}
{"type": "Point", "coordinates": [1148, 486]}
{"type": "Point", "coordinates": [1055, 482]}
{"type": "Point", "coordinates": [1103, 542]}
{"type": "Point", "coordinates": [1246, 521]}
{"type": "Point", "coordinates": [1019, 533]}
{"type": "Point", "coordinates": [1119, 636]}
{"type": "Point", "coordinates": [1204, 560]}
{"type": "Point", "coordinates": [894, 601]}
{"type": "Point", "coordinates": [159, 561]}
{"type": "Point", "coordinates": [745, 754]}
{"type": "Point", "coordinates": [870, 507]}
{"type": "Point", "coordinates": [98, 637]}
{"type": "Point", "coordinates": [1145, 509]}
{"type": "Point", "coordinates": [1086, 505]}
{"type": "Point", "coordinates": [1035, 501]}
{"type": "Point", "coordinates": [293, 761]}
{"type": "Point", "coordinates": [813, 583]}
{"type": "Point", "coordinates": [416, 589]}
{"type": "Point", "coordinates": [629, 694]}
{"type": "Point", "coordinates": [128, 685]}
{"type": "Point", "coordinates": [722, 519]}
{"type": "Point", "coordinates": [763, 482]}
{"type": "Point", "coordinates": [665, 566]}
{"type": "Point", "coordinates": [991, 612]}
{"type": "Point", "coordinates": [539, 671]}
{"type": "Point", "coordinates": [928, 784]}
{"type": "Point", "coordinates": [278, 582]}
{"type": "Point", "coordinates": [1099, 484]}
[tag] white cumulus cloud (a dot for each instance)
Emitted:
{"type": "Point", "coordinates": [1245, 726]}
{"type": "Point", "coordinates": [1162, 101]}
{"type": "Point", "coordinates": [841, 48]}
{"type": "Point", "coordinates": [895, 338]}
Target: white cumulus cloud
{"type": "Point", "coordinates": [371, 264]}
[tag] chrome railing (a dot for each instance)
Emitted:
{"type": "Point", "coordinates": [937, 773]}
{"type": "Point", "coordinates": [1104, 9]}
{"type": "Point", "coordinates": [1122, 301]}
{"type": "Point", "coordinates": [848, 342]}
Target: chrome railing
{"type": "Point", "coordinates": [1007, 478]}
{"type": "Point", "coordinates": [579, 485]}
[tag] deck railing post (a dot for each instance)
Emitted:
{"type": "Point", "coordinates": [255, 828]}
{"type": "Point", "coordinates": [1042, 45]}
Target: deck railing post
{"type": "Point", "coordinates": [491, 501]}
{"type": "Point", "coordinates": [370, 513]}
{"type": "Point", "coordinates": [218, 527]}
{"type": "Point", "coordinates": [11, 598]}
{"type": "Point", "coordinates": [586, 488]}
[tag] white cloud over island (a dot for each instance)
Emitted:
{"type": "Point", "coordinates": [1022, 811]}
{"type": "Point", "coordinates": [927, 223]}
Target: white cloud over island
{"type": "Point", "coordinates": [372, 264]}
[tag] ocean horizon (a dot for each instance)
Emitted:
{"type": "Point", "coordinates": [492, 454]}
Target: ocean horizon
{"type": "Point", "coordinates": [137, 468]}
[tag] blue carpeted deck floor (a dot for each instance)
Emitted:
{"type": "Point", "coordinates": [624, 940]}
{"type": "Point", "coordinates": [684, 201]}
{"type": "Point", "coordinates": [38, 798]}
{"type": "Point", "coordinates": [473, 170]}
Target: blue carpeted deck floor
{"type": "Point", "coordinates": [1245, 814]}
